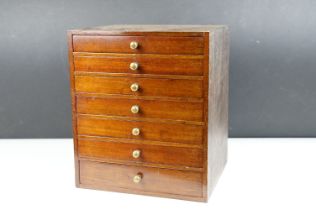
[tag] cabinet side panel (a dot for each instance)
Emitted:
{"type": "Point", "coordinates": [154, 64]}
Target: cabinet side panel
{"type": "Point", "coordinates": [205, 110]}
{"type": "Point", "coordinates": [73, 104]}
{"type": "Point", "coordinates": [218, 105]}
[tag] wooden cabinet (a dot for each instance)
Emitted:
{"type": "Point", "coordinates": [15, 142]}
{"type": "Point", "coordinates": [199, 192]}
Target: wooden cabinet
{"type": "Point", "coordinates": [150, 108]}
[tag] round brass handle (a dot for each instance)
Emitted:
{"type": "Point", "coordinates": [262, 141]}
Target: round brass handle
{"type": "Point", "coordinates": [136, 153]}
{"type": "Point", "coordinates": [137, 178]}
{"type": "Point", "coordinates": [134, 87]}
{"type": "Point", "coordinates": [135, 109]}
{"type": "Point", "coordinates": [133, 66]}
{"type": "Point", "coordinates": [135, 131]}
{"type": "Point", "coordinates": [133, 45]}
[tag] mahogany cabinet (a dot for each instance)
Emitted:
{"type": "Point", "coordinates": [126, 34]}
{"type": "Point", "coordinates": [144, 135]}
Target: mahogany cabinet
{"type": "Point", "coordinates": [150, 108]}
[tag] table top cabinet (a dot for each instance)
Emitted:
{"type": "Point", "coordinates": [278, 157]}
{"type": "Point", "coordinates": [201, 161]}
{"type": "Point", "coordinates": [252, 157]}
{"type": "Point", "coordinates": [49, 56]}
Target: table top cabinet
{"type": "Point", "coordinates": [150, 108]}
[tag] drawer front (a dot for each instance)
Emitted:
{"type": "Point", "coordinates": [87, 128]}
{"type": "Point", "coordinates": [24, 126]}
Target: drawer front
{"type": "Point", "coordinates": [153, 131]}
{"type": "Point", "coordinates": [146, 64]}
{"type": "Point", "coordinates": [147, 86]}
{"type": "Point", "coordinates": [155, 180]}
{"type": "Point", "coordinates": [146, 44]}
{"type": "Point", "coordinates": [190, 111]}
{"type": "Point", "coordinates": [155, 154]}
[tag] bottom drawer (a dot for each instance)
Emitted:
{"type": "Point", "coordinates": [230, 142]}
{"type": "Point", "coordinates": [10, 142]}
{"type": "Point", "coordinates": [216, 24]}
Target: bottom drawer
{"type": "Point", "coordinates": [144, 179]}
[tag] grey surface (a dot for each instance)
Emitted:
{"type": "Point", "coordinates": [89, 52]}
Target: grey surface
{"type": "Point", "coordinates": [272, 74]}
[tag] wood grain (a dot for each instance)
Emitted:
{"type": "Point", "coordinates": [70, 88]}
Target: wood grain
{"type": "Point", "coordinates": [188, 111]}
{"type": "Point", "coordinates": [183, 95]}
{"type": "Point", "coordinates": [148, 64]}
{"type": "Point", "coordinates": [73, 106]}
{"type": "Point", "coordinates": [149, 30]}
{"type": "Point", "coordinates": [107, 176]}
{"type": "Point", "coordinates": [218, 110]}
{"type": "Point", "coordinates": [122, 128]}
{"type": "Point", "coordinates": [116, 151]}
{"type": "Point", "coordinates": [148, 86]}
{"type": "Point", "coordinates": [147, 44]}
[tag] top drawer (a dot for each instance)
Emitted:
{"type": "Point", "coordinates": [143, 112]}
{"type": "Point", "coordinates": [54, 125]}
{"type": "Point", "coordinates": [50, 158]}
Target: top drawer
{"type": "Point", "coordinates": [145, 44]}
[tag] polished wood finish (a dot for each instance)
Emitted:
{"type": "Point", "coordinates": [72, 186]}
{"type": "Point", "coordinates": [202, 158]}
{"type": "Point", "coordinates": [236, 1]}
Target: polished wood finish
{"type": "Point", "coordinates": [116, 151]}
{"type": "Point", "coordinates": [154, 180]}
{"type": "Point", "coordinates": [148, 64]}
{"type": "Point", "coordinates": [163, 109]}
{"type": "Point", "coordinates": [148, 86]}
{"type": "Point", "coordinates": [149, 130]}
{"type": "Point", "coordinates": [175, 143]}
{"type": "Point", "coordinates": [147, 44]}
{"type": "Point", "coordinates": [73, 107]}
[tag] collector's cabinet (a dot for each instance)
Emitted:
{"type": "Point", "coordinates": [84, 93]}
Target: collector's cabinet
{"type": "Point", "coordinates": [150, 108]}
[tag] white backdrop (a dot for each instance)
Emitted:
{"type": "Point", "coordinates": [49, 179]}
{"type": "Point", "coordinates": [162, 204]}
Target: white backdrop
{"type": "Point", "coordinates": [261, 174]}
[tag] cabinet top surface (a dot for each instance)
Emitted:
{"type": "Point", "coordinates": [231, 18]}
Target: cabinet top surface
{"type": "Point", "coordinates": [121, 29]}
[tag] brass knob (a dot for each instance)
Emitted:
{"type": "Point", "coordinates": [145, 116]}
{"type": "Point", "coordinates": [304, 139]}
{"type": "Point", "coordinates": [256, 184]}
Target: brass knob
{"type": "Point", "coordinates": [137, 178]}
{"type": "Point", "coordinates": [133, 45]}
{"type": "Point", "coordinates": [133, 66]}
{"type": "Point", "coordinates": [136, 153]}
{"type": "Point", "coordinates": [135, 109]}
{"type": "Point", "coordinates": [134, 87]}
{"type": "Point", "coordinates": [135, 131]}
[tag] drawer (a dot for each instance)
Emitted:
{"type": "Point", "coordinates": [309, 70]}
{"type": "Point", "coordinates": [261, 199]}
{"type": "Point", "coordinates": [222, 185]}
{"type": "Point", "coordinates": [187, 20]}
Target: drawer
{"type": "Point", "coordinates": [145, 44]}
{"type": "Point", "coordinates": [153, 131]}
{"type": "Point", "coordinates": [154, 154]}
{"type": "Point", "coordinates": [155, 180]}
{"type": "Point", "coordinates": [146, 86]}
{"type": "Point", "coordinates": [189, 111]}
{"type": "Point", "coordinates": [145, 64]}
